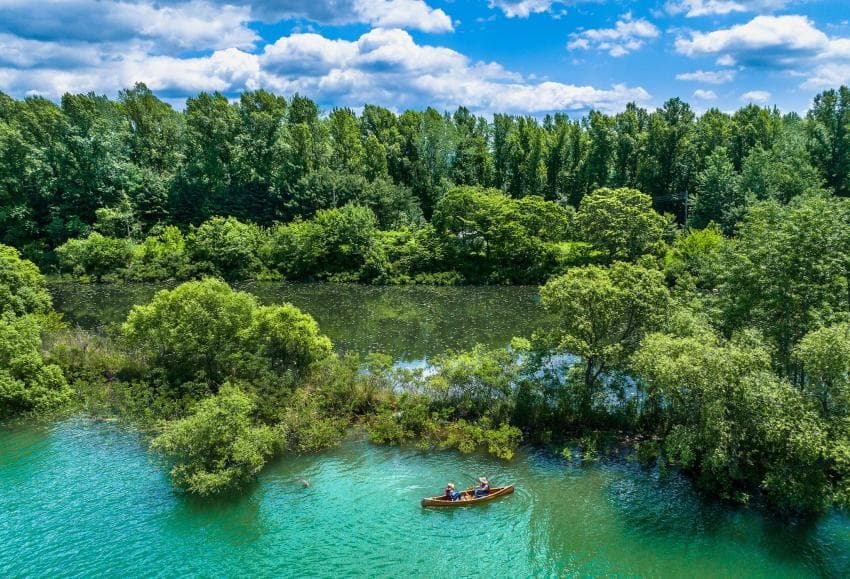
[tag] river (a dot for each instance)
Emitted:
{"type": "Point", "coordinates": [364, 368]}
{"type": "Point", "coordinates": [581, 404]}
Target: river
{"type": "Point", "coordinates": [83, 498]}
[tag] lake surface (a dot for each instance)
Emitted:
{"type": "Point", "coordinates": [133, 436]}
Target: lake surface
{"type": "Point", "coordinates": [86, 499]}
{"type": "Point", "coordinates": [83, 498]}
{"type": "Point", "coordinates": [409, 323]}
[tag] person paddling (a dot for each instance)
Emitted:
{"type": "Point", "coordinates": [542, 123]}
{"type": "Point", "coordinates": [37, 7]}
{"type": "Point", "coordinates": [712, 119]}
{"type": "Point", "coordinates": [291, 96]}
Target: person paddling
{"type": "Point", "coordinates": [483, 489]}
{"type": "Point", "coordinates": [451, 493]}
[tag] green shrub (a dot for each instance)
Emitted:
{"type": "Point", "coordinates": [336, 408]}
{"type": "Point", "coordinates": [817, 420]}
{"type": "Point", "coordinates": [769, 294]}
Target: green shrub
{"type": "Point", "coordinates": [219, 446]}
{"type": "Point", "coordinates": [27, 382]}
{"type": "Point", "coordinates": [22, 287]}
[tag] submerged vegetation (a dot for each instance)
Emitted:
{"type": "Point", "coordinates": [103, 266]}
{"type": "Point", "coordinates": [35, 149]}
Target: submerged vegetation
{"type": "Point", "coordinates": [716, 335]}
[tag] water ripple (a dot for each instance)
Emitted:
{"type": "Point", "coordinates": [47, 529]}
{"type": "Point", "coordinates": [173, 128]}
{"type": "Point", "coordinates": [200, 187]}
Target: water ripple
{"type": "Point", "coordinates": [86, 499]}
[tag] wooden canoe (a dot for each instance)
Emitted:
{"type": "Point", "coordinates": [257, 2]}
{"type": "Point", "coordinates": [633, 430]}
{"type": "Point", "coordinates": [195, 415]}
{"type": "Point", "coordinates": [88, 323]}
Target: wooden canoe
{"type": "Point", "coordinates": [467, 498]}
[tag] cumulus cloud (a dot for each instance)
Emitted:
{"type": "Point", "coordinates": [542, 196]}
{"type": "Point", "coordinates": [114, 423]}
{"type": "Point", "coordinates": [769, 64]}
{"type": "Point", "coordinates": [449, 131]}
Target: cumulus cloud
{"type": "Point", "coordinates": [763, 39]}
{"type": "Point", "coordinates": [202, 24]}
{"type": "Point", "coordinates": [416, 14]}
{"type": "Point", "coordinates": [705, 95]}
{"type": "Point", "coordinates": [627, 36]}
{"type": "Point", "coordinates": [709, 76]}
{"type": "Point", "coordinates": [192, 25]}
{"type": "Point", "coordinates": [828, 75]}
{"type": "Point", "coordinates": [383, 66]}
{"type": "Point", "coordinates": [695, 8]}
{"type": "Point", "coordinates": [403, 14]}
{"type": "Point", "coordinates": [388, 67]}
{"type": "Point", "coordinates": [791, 43]}
{"type": "Point", "coordinates": [522, 8]}
{"type": "Point", "coordinates": [756, 96]}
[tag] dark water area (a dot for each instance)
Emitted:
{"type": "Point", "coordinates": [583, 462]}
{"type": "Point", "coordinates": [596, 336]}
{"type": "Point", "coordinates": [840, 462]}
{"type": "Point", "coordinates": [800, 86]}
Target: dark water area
{"type": "Point", "coordinates": [408, 323]}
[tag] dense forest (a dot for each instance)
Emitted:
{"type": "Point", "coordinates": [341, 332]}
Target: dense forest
{"type": "Point", "coordinates": [699, 268]}
{"type": "Point", "coordinates": [136, 169]}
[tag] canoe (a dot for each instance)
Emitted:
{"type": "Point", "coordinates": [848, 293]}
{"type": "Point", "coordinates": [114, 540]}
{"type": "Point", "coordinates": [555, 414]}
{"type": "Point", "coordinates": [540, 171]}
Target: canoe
{"type": "Point", "coordinates": [467, 498]}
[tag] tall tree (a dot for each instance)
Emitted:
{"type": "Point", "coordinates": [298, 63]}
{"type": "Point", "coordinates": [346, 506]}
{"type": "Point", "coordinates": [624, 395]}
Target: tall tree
{"type": "Point", "coordinates": [829, 138]}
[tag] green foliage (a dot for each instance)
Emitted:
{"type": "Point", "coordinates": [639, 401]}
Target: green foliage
{"type": "Point", "coordinates": [825, 356]}
{"type": "Point", "coordinates": [161, 255]}
{"type": "Point", "coordinates": [828, 131]}
{"type": "Point", "coordinates": [786, 272]}
{"type": "Point", "coordinates": [225, 247]}
{"type": "Point", "coordinates": [491, 237]}
{"type": "Point", "coordinates": [695, 257]}
{"type": "Point", "coordinates": [205, 330]}
{"type": "Point", "coordinates": [122, 167]}
{"type": "Point", "coordinates": [22, 287]}
{"type": "Point", "coordinates": [95, 256]}
{"type": "Point", "coordinates": [475, 384]}
{"type": "Point", "coordinates": [621, 223]}
{"type": "Point", "coordinates": [501, 442]}
{"type": "Point", "coordinates": [602, 314]}
{"type": "Point", "coordinates": [219, 446]}
{"type": "Point", "coordinates": [337, 243]}
{"type": "Point", "coordinates": [719, 198]}
{"type": "Point", "coordinates": [736, 424]}
{"type": "Point", "coordinates": [409, 419]}
{"type": "Point", "coordinates": [27, 383]}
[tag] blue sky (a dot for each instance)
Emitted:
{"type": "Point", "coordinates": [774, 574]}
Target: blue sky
{"type": "Point", "coordinates": [519, 56]}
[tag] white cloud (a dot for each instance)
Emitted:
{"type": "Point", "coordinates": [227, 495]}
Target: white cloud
{"type": "Point", "coordinates": [202, 24]}
{"type": "Point", "coordinates": [709, 76]}
{"type": "Point", "coordinates": [694, 8]}
{"type": "Point", "coordinates": [705, 95]}
{"type": "Point", "coordinates": [627, 36]}
{"type": "Point", "coordinates": [756, 96]}
{"type": "Point", "coordinates": [189, 25]}
{"type": "Point", "coordinates": [403, 14]}
{"type": "Point", "coordinates": [522, 8]}
{"type": "Point", "coordinates": [829, 75]}
{"type": "Point", "coordinates": [383, 66]}
{"type": "Point", "coordinates": [764, 38]}
{"type": "Point", "coordinates": [792, 44]}
{"type": "Point", "coordinates": [415, 14]}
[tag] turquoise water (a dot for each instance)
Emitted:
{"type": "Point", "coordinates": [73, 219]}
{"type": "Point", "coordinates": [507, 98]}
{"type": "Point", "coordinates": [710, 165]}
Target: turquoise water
{"type": "Point", "coordinates": [83, 498]}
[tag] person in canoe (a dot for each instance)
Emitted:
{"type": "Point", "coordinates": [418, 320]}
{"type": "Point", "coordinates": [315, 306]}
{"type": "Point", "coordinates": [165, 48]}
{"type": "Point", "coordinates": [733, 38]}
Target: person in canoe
{"type": "Point", "coordinates": [483, 489]}
{"type": "Point", "coordinates": [451, 493]}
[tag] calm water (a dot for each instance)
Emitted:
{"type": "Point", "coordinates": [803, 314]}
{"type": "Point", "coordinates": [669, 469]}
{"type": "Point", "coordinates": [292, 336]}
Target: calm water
{"type": "Point", "coordinates": [409, 323]}
{"type": "Point", "coordinates": [86, 499]}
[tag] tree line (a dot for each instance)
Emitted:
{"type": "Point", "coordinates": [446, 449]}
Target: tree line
{"type": "Point", "coordinates": [124, 167]}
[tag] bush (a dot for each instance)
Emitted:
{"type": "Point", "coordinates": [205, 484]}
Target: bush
{"type": "Point", "coordinates": [219, 446]}
{"type": "Point", "coordinates": [621, 223]}
{"type": "Point", "coordinates": [204, 330]}
{"type": "Point", "coordinates": [27, 383]}
{"type": "Point", "coordinates": [95, 256]}
{"type": "Point", "coordinates": [160, 256]}
{"type": "Point", "coordinates": [22, 287]}
{"type": "Point", "coordinates": [339, 244]}
{"type": "Point", "coordinates": [226, 247]}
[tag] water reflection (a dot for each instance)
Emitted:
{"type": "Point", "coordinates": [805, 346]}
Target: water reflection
{"type": "Point", "coordinates": [408, 323]}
